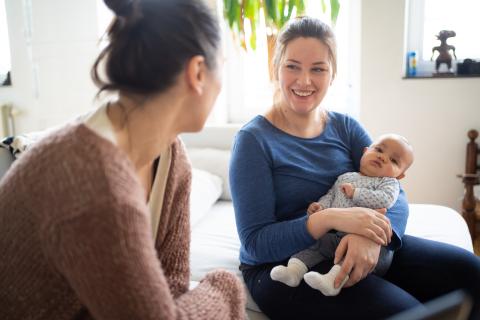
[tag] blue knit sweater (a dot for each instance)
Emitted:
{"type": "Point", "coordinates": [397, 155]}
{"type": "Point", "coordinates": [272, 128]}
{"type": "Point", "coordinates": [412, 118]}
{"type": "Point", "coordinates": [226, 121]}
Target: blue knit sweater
{"type": "Point", "coordinates": [274, 176]}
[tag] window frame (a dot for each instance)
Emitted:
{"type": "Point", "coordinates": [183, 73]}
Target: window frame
{"type": "Point", "coordinates": [414, 38]}
{"type": "Point", "coordinates": [5, 51]}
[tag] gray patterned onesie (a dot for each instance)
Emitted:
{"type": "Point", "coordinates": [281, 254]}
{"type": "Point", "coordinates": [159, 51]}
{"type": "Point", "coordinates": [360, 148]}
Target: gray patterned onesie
{"type": "Point", "coordinates": [370, 192]}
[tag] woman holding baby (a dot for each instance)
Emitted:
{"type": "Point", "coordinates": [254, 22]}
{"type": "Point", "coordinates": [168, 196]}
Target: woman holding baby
{"type": "Point", "coordinates": [290, 157]}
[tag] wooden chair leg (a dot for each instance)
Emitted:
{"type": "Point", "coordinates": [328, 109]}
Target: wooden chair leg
{"type": "Point", "coordinates": [469, 210]}
{"type": "Point", "coordinates": [471, 178]}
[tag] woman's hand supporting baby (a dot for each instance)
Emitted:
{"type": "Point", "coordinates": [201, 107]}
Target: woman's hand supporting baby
{"type": "Point", "coordinates": [358, 257]}
{"type": "Point", "coordinates": [359, 250]}
{"type": "Point", "coordinates": [372, 224]}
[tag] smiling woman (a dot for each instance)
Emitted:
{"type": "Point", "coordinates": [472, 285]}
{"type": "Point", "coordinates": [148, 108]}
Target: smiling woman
{"type": "Point", "coordinates": [5, 79]}
{"type": "Point", "coordinates": [283, 161]}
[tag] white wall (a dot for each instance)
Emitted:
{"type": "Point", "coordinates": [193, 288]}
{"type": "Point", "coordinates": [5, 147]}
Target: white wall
{"type": "Point", "coordinates": [53, 45]}
{"type": "Point", "coordinates": [434, 114]}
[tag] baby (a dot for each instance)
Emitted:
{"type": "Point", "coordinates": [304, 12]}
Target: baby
{"type": "Point", "coordinates": [375, 186]}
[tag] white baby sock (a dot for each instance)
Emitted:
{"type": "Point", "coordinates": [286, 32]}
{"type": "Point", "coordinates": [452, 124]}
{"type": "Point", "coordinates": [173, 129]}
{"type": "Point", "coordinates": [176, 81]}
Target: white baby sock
{"type": "Point", "coordinates": [325, 282]}
{"type": "Point", "coordinates": [292, 274]}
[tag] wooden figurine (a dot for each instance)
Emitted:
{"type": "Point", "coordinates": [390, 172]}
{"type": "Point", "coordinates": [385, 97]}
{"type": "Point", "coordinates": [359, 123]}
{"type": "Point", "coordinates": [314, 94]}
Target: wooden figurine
{"type": "Point", "coordinates": [443, 50]}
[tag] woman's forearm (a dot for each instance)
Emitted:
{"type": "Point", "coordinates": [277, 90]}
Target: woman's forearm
{"type": "Point", "coordinates": [357, 220]}
{"type": "Point", "coordinates": [319, 223]}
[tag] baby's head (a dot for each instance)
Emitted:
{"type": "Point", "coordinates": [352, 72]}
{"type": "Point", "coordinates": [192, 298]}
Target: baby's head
{"type": "Point", "coordinates": [388, 156]}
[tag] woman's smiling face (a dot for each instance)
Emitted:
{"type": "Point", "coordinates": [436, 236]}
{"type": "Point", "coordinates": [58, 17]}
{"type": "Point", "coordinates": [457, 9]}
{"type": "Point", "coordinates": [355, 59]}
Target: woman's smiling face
{"type": "Point", "coordinates": [304, 74]}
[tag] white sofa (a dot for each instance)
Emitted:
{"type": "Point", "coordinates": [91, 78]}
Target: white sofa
{"type": "Point", "coordinates": [215, 242]}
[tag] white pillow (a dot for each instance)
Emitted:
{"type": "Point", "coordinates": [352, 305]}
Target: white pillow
{"type": "Point", "coordinates": [206, 189]}
{"type": "Point", "coordinates": [215, 161]}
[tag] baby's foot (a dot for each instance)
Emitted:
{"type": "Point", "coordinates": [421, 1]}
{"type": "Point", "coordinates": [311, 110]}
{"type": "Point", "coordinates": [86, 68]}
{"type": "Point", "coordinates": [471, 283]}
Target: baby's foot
{"type": "Point", "coordinates": [325, 282]}
{"type": "Point", "coordinates": [290, 275]}
{"type": "Point", "coordinates": [282, 274]}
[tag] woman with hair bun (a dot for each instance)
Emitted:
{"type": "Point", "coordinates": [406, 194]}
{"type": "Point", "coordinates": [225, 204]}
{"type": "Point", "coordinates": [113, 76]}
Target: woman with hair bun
{"type": "Point", "coordinates": [94, 219]}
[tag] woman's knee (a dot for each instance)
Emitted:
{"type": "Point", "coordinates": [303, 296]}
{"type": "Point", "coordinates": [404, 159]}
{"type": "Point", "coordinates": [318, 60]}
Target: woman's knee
{"type": "Point", "coordinates": [372, 298]}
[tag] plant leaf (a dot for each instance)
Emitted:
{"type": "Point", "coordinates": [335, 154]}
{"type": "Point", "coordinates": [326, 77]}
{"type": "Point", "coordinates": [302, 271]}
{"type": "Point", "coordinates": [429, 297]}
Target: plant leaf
{"type": "Point", "coordinates": [324, 6]}
{"type": "Point", "coordinates": [291, 5]}
{"type": "Point", "coordinates": [334, 10]}
{"type": "Point", "coordinates": [249, 6]}
{"type": "Point", "coordinates": [228, 12]}
{"type": "Point", "coordinates": [271, 11]}
{"type": "Point", "coordinates": [277, 13]}
{"type": "Point", "coordinates": [281, 12]}
{"type": "Point", "coordinates": [253, 37]}
{"type": "Point", "coordinates": [239, 17]}
{"type": "Point", "coordinates": [300, 7]}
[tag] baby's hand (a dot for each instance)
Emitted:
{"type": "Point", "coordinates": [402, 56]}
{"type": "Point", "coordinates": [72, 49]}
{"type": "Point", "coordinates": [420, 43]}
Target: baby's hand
{"type": "Point", "coordinates": [314, 207]}
{"type": "Point", "coordinates": [348, 190]}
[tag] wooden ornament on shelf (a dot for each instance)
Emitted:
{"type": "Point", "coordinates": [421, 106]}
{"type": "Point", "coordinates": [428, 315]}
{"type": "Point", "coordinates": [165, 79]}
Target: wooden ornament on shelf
{"type": "Point", "coordinates": [444, 55]}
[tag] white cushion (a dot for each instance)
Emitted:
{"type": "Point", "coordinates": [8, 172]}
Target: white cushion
{"type": "Point", "coordinates": [215, 161]}
{"type": "Point", "coordinates": [215, 244]}
{"type": "Point", "coordinates": [438, 223]}
{"type": "Point", "coordinates": [206, 189]}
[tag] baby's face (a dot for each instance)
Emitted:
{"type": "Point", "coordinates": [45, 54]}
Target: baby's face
{"type": "Point", "coordinates": [388, 157]}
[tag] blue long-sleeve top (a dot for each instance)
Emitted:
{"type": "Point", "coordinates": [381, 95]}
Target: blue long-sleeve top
{"type": "Point", "coordinates": [274, 176]}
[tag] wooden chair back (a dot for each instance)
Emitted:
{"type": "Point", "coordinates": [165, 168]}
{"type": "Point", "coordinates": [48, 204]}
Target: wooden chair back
{"type": "Point", "coordinates": [471, 178]}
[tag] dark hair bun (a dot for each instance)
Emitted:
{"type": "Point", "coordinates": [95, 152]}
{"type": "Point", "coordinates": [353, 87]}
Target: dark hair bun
{"type": "Point", "coordinates": [121, 8]}
{"type": "Point", "coordinates": [149, 42]}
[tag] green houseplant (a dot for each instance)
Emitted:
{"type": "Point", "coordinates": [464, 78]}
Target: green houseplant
{"type": "Point", "coordinates": [276, 12]}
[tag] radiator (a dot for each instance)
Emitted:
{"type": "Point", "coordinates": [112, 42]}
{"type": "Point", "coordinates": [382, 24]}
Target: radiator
{"type": "Point", "coordinates": [8, 119]}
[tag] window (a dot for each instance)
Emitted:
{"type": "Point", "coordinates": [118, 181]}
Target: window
{"type": "Point", "coordinates": [247, 90]}
{"type": "Point", "coordinates": [426, 18]}
{"type": "Point", "coordinates": [4, 47]}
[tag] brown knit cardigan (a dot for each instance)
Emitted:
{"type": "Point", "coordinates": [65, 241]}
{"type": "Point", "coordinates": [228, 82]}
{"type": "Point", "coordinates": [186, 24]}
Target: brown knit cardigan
{"type": "Point", "coordinates": [76, 242]}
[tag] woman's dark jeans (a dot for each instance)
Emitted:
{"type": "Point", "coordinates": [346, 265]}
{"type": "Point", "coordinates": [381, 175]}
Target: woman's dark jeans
{"type": "Point", "coordinates": [421, 270]}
